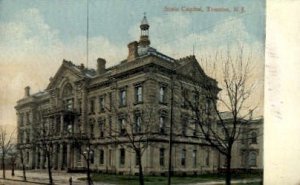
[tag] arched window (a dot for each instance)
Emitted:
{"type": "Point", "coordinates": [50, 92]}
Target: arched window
{"type": "Point", "coordinates": [252, 159]}
{"type": "Point", "coordinates": [68, 90]}
{"type": "Point", "coordinates": [253, 137]}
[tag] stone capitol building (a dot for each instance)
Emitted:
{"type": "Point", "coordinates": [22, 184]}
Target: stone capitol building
{"type": "Point", "coordinates": [147, 87]}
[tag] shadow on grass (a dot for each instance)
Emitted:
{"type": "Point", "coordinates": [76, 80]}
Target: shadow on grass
{"type": "Point", "coordinates": [160, 180]}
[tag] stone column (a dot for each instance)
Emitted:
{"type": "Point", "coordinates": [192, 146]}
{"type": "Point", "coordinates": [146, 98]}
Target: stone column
{"type": "Point", "coordinates": [61, 124]}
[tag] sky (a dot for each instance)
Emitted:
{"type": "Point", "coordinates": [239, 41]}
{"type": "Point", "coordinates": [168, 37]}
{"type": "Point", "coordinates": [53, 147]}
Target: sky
{"type": "Point", "coordinates": [35, 36]}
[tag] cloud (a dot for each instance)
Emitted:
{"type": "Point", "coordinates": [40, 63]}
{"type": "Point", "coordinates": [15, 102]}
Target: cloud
{"type": "Point", "coordinates": [31, 52]}
{"type": "Point", "coordinates": [176, 35]}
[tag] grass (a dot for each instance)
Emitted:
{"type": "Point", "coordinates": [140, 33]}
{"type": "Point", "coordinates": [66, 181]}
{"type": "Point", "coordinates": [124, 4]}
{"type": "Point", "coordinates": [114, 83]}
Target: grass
{"type": "Point", "coordinates": [160, 180]}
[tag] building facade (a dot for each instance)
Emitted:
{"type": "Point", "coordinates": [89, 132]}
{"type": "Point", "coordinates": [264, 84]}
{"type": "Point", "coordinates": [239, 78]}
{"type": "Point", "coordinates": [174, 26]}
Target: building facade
{"type": "Point", "coordinates": [147, 87]}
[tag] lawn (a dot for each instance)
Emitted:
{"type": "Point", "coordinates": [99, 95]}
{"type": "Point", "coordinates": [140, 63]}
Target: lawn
{"type": "Point", "coordinates": [160, 180]}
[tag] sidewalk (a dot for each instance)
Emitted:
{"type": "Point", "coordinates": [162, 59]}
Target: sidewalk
{"type": "Point", "coordinates": [222, 182]}
{"type": "Point", "coordinates": [41, 177]}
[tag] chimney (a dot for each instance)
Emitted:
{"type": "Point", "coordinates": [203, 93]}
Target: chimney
{"type": "Point", "coordinates": [27, 91]}
{"type": "Point", "coordinates": [101, 65]}
{"type": "Point", "coordinates": [132, 51]}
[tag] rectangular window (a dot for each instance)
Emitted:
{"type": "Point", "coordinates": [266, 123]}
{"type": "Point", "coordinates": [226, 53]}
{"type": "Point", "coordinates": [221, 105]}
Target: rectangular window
{"type": "Point", "coordinates": [162, 94]}
{"type": "Point", "coordinates": [138, 94]}
{"type": "Point", "coordinates": [101, 104]}
{"type": "Point", "coordinates": [109, 125]}
{"type": "Point", "coordinates": [110, 100]}
{"type": "Point", "coordinates": [208, 106]}
{"type": "Point", "coordinates": [109, 157]}
{"type": "Point", "coordinates": [207, 158]}
{"type": "Point", "coordinates": [184, 126]}
{"type": "Point", "coordinates": [183, 157]}
{"type": "Point", "coordinates": [80, 106]}
{"type": "Point", "coordinates": [21, 119]}
{"type": "Point", "coordinates": [196, 99]}
{"type": "Point", "coordinates": [122, 129]}
{"type": "Point", "coordinates": [78, 154]}
{"type": "Point", "coordinates": [136, 160]}
{"type": "Point", "coordinates": [92, 106]}
{"type": "Point", "coordinates": [162, 124]}
{"type": "Point", "coordinates": [101, 123]}
{"type": "Point", "coordinates": [101, 157]}
{"type": "Point", "coordinates": [161, 156]}
{"type": "Point", "coordinates": [123, 97]}
{"type": "Point", "coordinates": [138, 123]}
{"type": "Point", "coordinates": [185, 97]}
{"type": "Point", "coordinates": [92, 156]}
{"type": "Point", "coordinates": [27, 118]}
{"type": "Point", "coordinates": [91, 130]}
{"type": "Point", "coordinates": [122, 156]}
{"type": "Point", "coordinates": [194, 158]}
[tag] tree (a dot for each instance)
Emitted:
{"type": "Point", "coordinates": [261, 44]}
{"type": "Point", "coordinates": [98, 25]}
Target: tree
{"type": "Point", "coordinates": [20, 150]}
{"type": "Point", "coordinates": [237, 86]}
{"type": "Point", "coordinates": [135, 130]}
{"type": "Point", "coordinates": [42, 139]}
{"type": "Point", "coordinates": [13, 155]}
{"type": "Point", "coordinates": [6, 145]}
{"type": "Point", "coordinates": [79, 141]}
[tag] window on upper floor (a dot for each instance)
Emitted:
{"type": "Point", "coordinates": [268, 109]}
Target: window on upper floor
{"type": "Point", "coordinates": [101, 104]}
{"type": "Point", "coordinates": [162, 94]}
{"type": "Point", "coordinates": [253, 137]}
{"type": "Point", "coordinates": [184, 124]}
{"type": "Point", "coordinates": [69, 104]}
{"type": "Point", "coordinates": [101, 123]}
{"type": "Point", "coordinates": [80, 106]}
{"type": "Point", "coordinates": [68, 90]}
{"type": "Point", "coordinates": [196, 99]}
{"type": "Point", "coordinates": [138, 94]}
{"type": "Point", "coordinates": [123, 97]}
{"type": "Point", "coordinates": [195, 128]}
{"type": "Point", "coordinates": [109, 125]}
{"type": "Point", "coordinates": [122, 127]}
{"type": "Point", "coordinates": [185, 98]}
{"type": "Point", "coordinates": [162, 124]}
{"type": "Point", "coordinates": [110, 100]}
{"type": "Point", "coordinates": [27, 117]}
{"type": "Point", "coordinates": [21, 119]}
{"type": "Point", "coordinates": [92, 106]}
{"type": "Point", "coordinates": [138, 122]}
{"type": "Point", "coordinates": [91, 124]}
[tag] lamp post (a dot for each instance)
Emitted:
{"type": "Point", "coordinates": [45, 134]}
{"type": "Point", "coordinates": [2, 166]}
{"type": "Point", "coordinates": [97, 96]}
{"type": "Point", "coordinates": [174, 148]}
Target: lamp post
{"type": "Point", "coordinates": [87, 153]}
